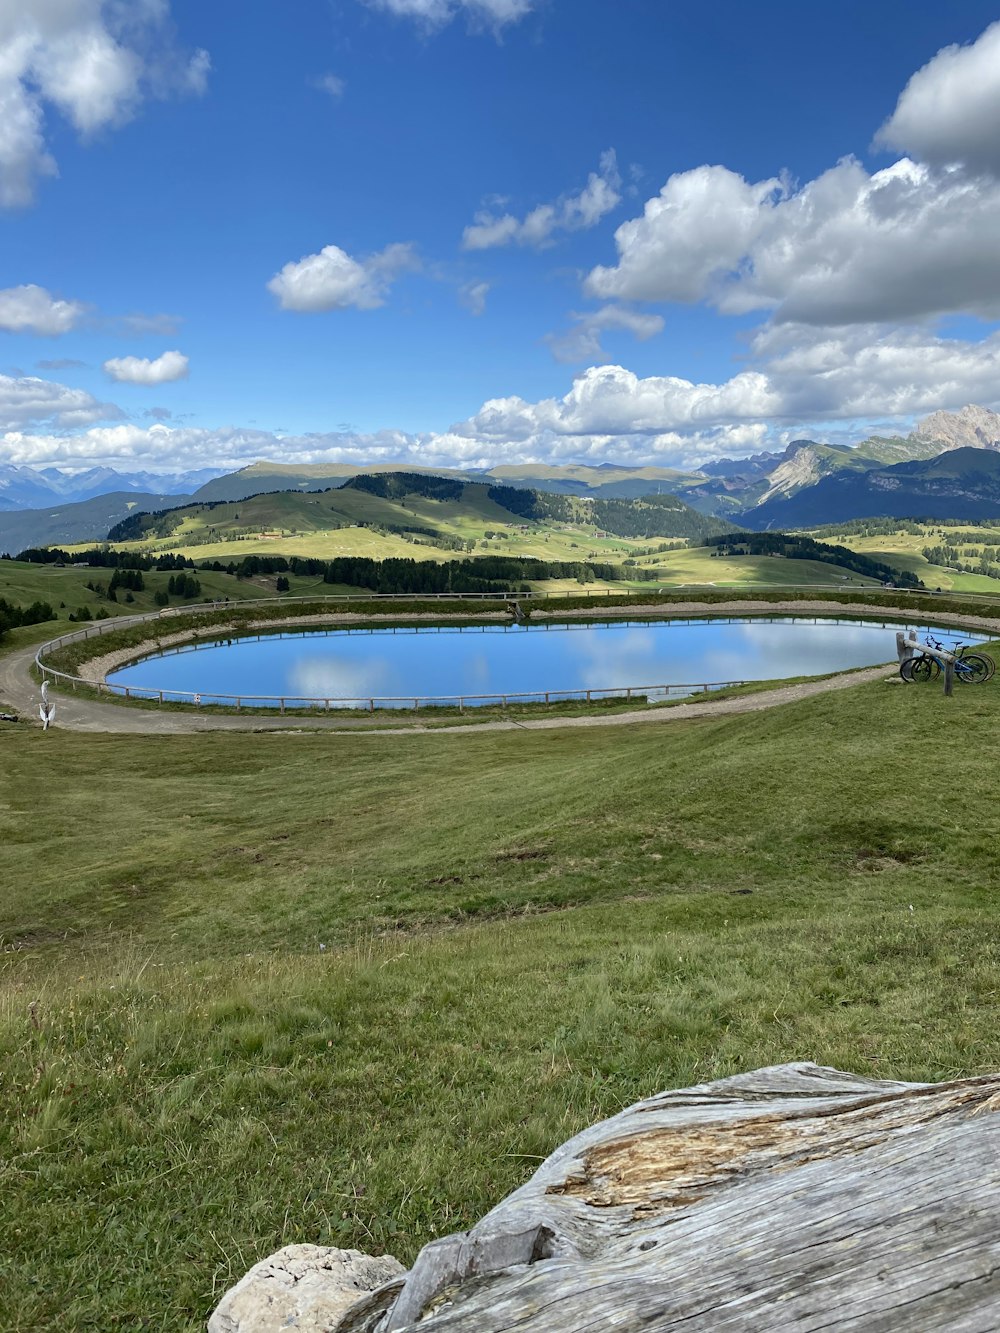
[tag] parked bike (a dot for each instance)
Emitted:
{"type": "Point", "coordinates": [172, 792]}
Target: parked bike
{"type": "Point", "coordinates": [970, 668]}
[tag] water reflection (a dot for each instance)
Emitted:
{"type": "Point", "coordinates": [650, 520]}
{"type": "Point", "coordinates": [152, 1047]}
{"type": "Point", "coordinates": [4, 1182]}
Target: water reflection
{"type": "Point", "coordinates": [497, 659]}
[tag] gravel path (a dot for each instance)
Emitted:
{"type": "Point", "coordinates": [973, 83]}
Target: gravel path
{"type": "Point", "coordinates": [19, 693]}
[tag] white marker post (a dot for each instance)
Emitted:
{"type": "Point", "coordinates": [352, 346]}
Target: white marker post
{"type": "Point", "coordinates": [46, 709]}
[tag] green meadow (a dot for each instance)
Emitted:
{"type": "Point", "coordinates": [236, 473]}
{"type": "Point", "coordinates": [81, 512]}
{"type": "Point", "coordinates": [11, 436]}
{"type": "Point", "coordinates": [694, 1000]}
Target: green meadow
{"type": "Point", "coordinates": [904, 547]}
{"type": "Point", "coordinates": [263, 989]}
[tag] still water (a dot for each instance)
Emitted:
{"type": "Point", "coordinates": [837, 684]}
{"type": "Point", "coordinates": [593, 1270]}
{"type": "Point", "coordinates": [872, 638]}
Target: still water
{"type": "Point", "coordinates": [429, 661]}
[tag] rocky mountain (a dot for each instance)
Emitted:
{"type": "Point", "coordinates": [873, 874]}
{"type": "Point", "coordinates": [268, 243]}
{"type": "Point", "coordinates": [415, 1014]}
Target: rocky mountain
{"type": "Point", "coordinates": [975, 427]}
{"type": "Point", "coordinates": [963, 483]}
{"type": "Point", "coordinates": [758, 496]}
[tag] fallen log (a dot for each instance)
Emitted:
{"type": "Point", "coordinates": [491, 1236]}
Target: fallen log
{"type": "Point", "coordinates": [795, 1196]}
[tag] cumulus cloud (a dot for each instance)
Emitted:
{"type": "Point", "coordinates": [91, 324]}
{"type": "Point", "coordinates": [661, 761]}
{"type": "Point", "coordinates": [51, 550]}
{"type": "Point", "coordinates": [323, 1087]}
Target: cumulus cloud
{"type": "Point", "coordinates": [905, 243]}
{"type": "Point", "coordinates": [94, 61]}
{"type": "Point", "coordinates": [332, 280]}
{"type": "Point", "coordinates": [171, 448]}
{"type": "Point", "coordinates": [868, 371]}
{"type": "Point", "coordinates": [570, 213]}
{"type": "Point", "coordinates": [141, 370]}
{"type": "Point", "coordinates": [610, 400]}
{"type": "Point", "coordinates": [31, 309]}
{"type": "Point", "coordinates": [805, 376]}
{"type": "Point", "coordinates": [29, 402]}
{"type": "Point", "coordinates": [583, 341]}
{"type": "Point", "coordinates": [697, 230]}
{"type": "Point", "coordinates": [436, 13]}
{"type": "Point", "coordinates": [950, 110]}
{"type": "Point", "coordinates": [473, 296]}
{"type": "Point", "coordinates": [802, 378]}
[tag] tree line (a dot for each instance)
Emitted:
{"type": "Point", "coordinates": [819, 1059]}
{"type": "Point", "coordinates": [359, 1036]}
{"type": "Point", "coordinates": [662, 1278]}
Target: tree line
{"type": "Point", "coordinates": [11, 616]}
{"type": "Point", "coordinates": [101, 557]}
{"type": "Point", "coordinates": [485, 573]}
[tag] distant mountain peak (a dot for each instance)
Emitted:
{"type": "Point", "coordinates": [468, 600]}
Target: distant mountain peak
{"type": "Point", "coordinates": [975, 427]}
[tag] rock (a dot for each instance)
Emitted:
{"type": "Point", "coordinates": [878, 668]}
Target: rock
{"type": "Point", "coordinates": [973, 426]}
{"type": "Point", "coordinates": [303, 1287]}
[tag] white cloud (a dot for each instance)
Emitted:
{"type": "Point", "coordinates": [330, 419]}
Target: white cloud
{"type": "Point", "coordinates": [473, 296]}
{"type": "Point", "coordinates": [806, 376]}
{"type": "Point", "coordinates": [27, 401]}
{"type": "Point", "coordinates": [610, 400]}
{"type": "Point", "coordinates": [803, 381]}
{"type": "Point", "coordinates": [141, 370]}
{"type": "Point", "coordinates": [696, 230]}
{"type": "Point", "coordinates": [31, 309]}
{"type": "Point", "coordinates": [94, 61]}
{"type": "Point", "coordinates": [869, 371]}
{"type": "Point", "coordinates": [570, 213]}
{"type": "Point", "coordinates": [332, 280]}
{"type": "Point", "coordinates": [583, 341]}
{"type": "Point", "coordinates": [907, 242]}
{"type": "Point", "coordinates": [950, 110]}
{"type": "Point", "coordinates": [170, 448]}
{"type": "Point", "coordinates": [332, 84]}
{"type": "Point", "coordinates": [436, 13]}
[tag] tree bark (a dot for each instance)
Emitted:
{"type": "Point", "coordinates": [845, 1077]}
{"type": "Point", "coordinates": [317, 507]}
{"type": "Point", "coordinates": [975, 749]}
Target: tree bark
{"type": "Point", "coordinates": [792, 1197]}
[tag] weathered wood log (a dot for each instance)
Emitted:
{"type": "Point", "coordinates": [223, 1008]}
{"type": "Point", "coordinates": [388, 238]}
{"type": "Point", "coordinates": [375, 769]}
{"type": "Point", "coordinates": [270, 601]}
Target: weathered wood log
{"type": "Point", "coordinates": [792, 1197]}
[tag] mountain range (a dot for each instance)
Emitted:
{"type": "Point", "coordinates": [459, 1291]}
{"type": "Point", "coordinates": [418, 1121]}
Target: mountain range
{"type": "Point", "coordinates": [23, 487]}
{"type": "Point", "coordinates": [945, 468]}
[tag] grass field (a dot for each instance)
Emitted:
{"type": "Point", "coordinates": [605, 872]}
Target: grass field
{"type": "Point", "coordinates": [554, 543]}
{"type": "Point", "coordinates": [904, 550]}
{"type": "Point", "coordinates": [65, 589]}
{"type": "Point", "coordinates": [263, 989]}
{"type": "Point", "coordinates": [698, 565]}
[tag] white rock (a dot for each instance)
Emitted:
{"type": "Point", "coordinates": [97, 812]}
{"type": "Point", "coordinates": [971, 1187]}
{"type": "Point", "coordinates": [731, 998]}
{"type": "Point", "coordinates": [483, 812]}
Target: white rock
{"type": "Point", "coordinates": [308, 1288]}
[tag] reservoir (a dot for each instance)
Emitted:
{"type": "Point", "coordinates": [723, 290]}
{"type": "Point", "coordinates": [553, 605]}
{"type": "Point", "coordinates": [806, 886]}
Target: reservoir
{"type": "Point", "coordinates": [391, 666]}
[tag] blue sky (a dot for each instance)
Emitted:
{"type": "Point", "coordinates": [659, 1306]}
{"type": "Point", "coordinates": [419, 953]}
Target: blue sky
{"type": "Point", "coordinates": [490, 230]}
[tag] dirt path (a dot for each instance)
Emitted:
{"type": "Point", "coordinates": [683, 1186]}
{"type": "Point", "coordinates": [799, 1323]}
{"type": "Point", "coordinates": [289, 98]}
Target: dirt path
{"type": "Point", "coordinates": [20, 693]}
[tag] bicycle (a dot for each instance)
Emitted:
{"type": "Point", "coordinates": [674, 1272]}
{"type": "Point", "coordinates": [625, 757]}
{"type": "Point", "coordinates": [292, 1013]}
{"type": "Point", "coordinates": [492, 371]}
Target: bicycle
{"type": "Point", "coordinates": [970, 668]}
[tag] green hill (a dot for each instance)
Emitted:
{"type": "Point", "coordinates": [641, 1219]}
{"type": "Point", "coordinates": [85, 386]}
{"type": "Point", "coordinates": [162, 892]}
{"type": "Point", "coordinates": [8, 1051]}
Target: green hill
{"type": "Point", "coordinates": [442, 513]}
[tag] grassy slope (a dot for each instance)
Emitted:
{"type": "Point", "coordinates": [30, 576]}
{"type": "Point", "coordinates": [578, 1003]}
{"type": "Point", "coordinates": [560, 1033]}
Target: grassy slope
{"type": "Point", "coordinates": [23, 583]}
{"type": "Point", "coordinates": [190, 1081]}
{"type": "Point", "coordinates": [905, 549]}
{"type": "Point", "coordinates": [698, 565]}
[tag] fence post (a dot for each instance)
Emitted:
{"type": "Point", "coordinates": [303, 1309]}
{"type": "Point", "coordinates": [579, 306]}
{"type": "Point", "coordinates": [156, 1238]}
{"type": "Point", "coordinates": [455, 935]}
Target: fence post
{"type": "Point", "coordinates": [949, 677]}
